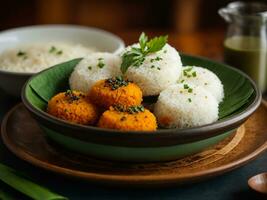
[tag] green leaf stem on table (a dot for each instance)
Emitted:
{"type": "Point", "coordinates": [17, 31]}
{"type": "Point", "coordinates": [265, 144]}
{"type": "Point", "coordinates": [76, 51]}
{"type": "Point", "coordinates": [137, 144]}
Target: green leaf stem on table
{"type": "Point", "coordinates": [20, 183]}
{"type": "Point", "coordinates": [5, 196]}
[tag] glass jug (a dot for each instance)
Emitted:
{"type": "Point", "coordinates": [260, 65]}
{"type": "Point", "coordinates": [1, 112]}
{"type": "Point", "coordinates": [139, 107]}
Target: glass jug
{"type": "Point", "coordinates": [245, 45]}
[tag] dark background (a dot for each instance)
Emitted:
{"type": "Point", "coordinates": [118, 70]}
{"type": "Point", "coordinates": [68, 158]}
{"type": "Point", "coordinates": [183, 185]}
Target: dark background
{"type": "Point", "coordinates": [115, 15]}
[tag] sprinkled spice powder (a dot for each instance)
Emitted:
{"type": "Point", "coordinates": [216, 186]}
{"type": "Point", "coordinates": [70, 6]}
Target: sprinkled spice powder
{"type": "Point", "coordinates": [71, 97]}
{"type": "Point", "coordinates": [123, 118]}
{"type": "Point", "coordinates": [115, 83]}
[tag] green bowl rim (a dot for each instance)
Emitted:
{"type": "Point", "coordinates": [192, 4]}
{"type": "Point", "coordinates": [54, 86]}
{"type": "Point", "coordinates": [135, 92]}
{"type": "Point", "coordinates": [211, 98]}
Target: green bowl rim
{"type": "Point", "coordinates": [173, 136]}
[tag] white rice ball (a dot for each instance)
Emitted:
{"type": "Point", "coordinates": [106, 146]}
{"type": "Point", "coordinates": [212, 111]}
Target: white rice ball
{"type": "Point", "coordinates": [205, 78]}
{"type": "Point", "coordinates": [92, 68]}
{"type": "Point", "coordinates": [158, 71]}
{"type": "Point", "coordinates": [178, 107]}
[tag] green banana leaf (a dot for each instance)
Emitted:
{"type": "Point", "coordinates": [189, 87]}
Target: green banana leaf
{"type": "Point", "coordinates": [54, 80]}
{"type": "Point", "coordinates": [237, 88]}
{"type": "Point", "coordinates": [20, 183]}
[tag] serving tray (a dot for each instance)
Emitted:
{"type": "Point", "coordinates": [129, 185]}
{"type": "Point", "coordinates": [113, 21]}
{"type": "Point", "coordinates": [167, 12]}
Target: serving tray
{"type": "Point", "coordinates": [24, 138]}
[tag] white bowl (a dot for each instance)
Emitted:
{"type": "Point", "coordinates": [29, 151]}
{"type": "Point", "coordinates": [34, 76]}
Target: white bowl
{"type": "Point", "coordinates": [12, 82]}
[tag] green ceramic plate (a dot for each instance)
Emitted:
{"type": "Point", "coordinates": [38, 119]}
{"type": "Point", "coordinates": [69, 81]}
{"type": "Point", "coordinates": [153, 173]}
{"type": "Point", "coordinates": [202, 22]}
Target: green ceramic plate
{"type": "Point", "coordinates": [242, 98]}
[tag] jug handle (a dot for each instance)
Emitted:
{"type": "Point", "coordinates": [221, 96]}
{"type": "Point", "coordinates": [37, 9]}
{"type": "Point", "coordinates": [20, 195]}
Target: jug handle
{"type": "Point", "coordinates": [223, 12]}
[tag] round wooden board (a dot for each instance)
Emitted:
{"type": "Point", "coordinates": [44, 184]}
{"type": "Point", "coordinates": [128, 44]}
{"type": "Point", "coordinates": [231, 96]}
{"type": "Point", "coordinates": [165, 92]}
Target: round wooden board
{"type": "Point", "coordinates": [24, 138]}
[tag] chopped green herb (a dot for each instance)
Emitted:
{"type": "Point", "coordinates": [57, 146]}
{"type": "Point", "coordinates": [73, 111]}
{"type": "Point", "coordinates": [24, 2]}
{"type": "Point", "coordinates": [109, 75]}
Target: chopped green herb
{"type": "Point", "coordinates": [189, 90]}
{"type": "Point", "coordinates": [158, 68]}
{"type": "Point", "coordinates": [182, 81]}
{"type": "Point", "coordinates": [165, 51]}
{"type": "Point", "coordinates": [59, 52]}
{"type": "Point", "coordinates": [136, 55]}
{"type": "Point", "coordinates": [115, 83]}
{"type": "Point", "coordinates": [190, 100]}
{"type": "Point", "coordinates": [101, 64]}
{"type": "Point", "coordinates": [189, 73]}
{"type": "Point", "coordinates": [153, 66]}
{"type": "Point", "coordinates": [152, 60]}
{"type": "Point", "coordinates": [188, 69]}
{"type": "Point", "coordinates": [205, 83]}
{"type": "Point", "coordinates": [158, 58]}
{"type": "Point", "coordinates": [21, 53]}
{"type": "Point", "coordinates": [90, 67]}
{"type": "Point", "coordinates": [52, 49]}
{"type": "Point", "coordinates": [130, 110]}
{"type": "Point", "coordinates": [186, 86]}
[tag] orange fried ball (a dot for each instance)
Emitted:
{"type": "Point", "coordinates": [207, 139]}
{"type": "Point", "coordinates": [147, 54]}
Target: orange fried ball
{"type": "Point", "coordinates": [134, 118]}
{"type": "Point", "coordinates": [74, 107]}
{"type": "Point", "coordinates": [112, 91]}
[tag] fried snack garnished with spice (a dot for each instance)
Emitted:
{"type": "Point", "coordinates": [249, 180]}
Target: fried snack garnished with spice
{"type": "Point", "coordinates": [74, 107]}
{"type": "Point", "coordinates": [133, 118]}
{"type": "Point", "coordinates": [112, 91]}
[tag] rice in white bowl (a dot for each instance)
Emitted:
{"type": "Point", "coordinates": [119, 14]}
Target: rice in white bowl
{"type": "Point", "coordinates": [92, 68]}
{"type": "Point", "coordinates": [184, 105]}
{"type": "Point", "coordinates": [158, 71]}
{"type": "Point", "coordinates": [203, 77]}
{"type": "Point", "coordinates": [35, 57]}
